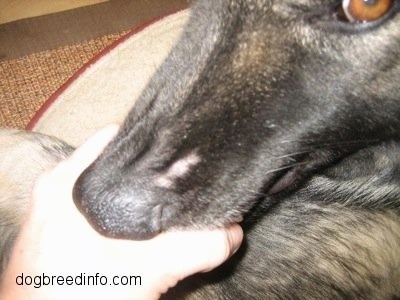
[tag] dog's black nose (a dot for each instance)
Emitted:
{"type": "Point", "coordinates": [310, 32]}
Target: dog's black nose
{"type": "Point", "coordinates": [120, 209]}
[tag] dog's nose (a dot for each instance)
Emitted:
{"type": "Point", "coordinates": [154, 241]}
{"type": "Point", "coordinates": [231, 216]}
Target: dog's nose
{"type": "Point", "coordinates": [120, 209]}
{"type": "Point", "coordinates": [133, 202]}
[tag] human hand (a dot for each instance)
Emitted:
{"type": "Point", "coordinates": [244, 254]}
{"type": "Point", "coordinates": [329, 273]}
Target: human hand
{"type": "Point", "coordinates": [56, 241]}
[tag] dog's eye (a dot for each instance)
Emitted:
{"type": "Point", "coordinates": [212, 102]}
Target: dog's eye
{"type": "Point", "coordinates": [364, 10]}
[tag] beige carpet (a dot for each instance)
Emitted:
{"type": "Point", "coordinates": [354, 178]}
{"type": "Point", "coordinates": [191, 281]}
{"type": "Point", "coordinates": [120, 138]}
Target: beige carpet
{"type": "Point", "coordinates": [39, 55]}
{"type": "Point", "coordinates": [27, 82]}
{"type": "Point", "coordinates": [105, 89]}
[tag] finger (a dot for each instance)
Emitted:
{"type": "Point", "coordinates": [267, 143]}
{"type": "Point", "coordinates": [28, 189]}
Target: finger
{"type": "Point", "coordinates": [200, 251]}
{"type": "Point", "coordinates": [63, 176]}
{"type": "Point", "coordinates": [91, 149]}
{"type": "Point", "coordinates": [234, 235]}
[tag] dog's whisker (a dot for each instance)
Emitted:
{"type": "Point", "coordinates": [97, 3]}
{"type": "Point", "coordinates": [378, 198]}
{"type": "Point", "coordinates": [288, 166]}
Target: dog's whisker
{"type": "Point", "coordinates": [290, 155]}
{"type": "Point", "coordinates": [285, 167]}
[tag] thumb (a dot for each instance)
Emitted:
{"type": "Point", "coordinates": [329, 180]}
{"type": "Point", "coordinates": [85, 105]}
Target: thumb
{"type": "Point", "coordinates": [190, 252]}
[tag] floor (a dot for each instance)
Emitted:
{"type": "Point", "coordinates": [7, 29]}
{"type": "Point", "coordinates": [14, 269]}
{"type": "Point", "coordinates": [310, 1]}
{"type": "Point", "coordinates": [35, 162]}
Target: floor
{"type": "Point", "coordinates": [44, 42]}
{"type": "Point", "coordinates": [12, 10]}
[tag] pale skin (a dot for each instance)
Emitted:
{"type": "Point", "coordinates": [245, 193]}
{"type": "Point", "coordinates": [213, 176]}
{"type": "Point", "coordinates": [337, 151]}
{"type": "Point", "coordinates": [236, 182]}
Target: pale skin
{"type": "Point", "coordinates": [56, 239]}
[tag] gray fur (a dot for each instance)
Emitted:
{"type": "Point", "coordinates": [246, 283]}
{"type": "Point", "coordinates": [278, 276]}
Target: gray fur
{"type": "Point", "coordinates": [279, 112]}
{"type": "Point", "coordinates": [24, 156]}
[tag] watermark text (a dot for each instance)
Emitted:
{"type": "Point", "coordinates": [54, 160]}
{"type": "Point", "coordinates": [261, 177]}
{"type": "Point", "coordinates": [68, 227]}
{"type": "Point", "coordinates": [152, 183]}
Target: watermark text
{"type": "Point", "coordinates": [82, 279]}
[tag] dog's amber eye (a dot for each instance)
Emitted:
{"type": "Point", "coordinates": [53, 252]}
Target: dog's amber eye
{"type": "Point", "coordinates": [365, 10]}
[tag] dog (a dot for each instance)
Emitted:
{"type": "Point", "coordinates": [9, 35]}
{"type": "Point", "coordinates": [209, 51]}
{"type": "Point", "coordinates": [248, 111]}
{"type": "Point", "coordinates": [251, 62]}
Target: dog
{"type": "Point", "coordinates": [285, 114]}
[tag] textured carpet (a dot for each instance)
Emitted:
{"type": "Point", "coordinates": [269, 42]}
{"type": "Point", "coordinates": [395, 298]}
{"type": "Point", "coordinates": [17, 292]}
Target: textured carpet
{"type": "Point", "coordinates": [26, 82]}
{"type": "Point", "coordinates": [40, 54]}
{"type": "Point", "coordinates": [104, 90]}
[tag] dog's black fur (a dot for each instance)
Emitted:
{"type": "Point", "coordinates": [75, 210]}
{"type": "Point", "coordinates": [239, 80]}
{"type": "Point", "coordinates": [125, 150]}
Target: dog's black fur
{"type": "Point", "coordinates": [283, 112]}
{"type": "Point", "coordinates": [279, 111]}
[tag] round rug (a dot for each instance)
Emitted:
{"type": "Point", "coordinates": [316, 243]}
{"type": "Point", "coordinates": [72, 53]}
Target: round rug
{"type": "Point", "coordinates": [104, 90]}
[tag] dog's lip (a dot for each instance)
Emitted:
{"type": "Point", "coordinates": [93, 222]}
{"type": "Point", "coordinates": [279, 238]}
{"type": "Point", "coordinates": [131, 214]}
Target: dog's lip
{"type": "Point", "coordinates": [283, 182]}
